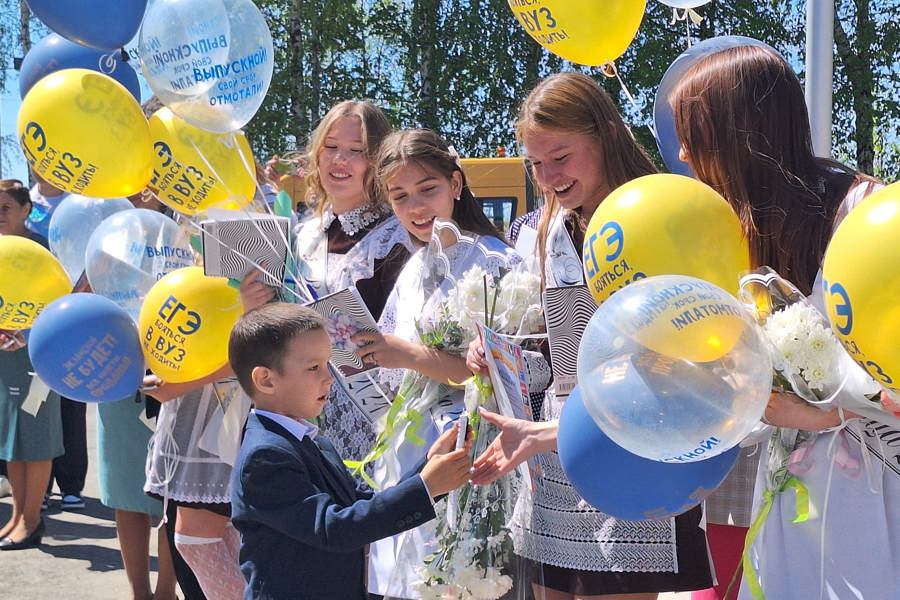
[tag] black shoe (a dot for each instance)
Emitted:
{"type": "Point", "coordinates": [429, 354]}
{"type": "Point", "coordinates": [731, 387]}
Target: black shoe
{"type": "Point", "coordinates": [33, 540]}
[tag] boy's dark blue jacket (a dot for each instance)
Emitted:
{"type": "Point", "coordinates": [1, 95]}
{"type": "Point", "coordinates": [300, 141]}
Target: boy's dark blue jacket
{"type": "Point", "coordinates": [303, 521]}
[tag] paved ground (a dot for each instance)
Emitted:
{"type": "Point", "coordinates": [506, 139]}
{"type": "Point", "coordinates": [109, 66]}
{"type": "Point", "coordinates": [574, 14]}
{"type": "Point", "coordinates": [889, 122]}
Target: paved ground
{"type": "Point", "coordinates": [80, 554]}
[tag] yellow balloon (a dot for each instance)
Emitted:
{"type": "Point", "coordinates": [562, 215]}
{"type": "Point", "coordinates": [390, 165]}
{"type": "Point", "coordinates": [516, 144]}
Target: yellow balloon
{"type": "Point", "coordinates": [663, 225]}
{"type": "Point", "coordinates": [185, 322]}
{"type": "Point", "coordinates": [85, 133]}
{"type": "Point", "coordinates": [861, 273]}
{"type": "Point", "coordinates": [588, 32]}
{"type": "Point", "coordinates": [30, 279]}
{"type": "Point", "coordinates": [195, 169]}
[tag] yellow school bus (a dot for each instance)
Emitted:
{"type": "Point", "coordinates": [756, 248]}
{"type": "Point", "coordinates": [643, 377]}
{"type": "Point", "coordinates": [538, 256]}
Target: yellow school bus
{"type": "Point", "coordinates": [502, 186]}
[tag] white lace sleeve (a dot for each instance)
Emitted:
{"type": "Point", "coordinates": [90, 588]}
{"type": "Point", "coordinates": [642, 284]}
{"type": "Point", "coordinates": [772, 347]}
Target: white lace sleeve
{"type": "Point", "coordinates": [537, 371]}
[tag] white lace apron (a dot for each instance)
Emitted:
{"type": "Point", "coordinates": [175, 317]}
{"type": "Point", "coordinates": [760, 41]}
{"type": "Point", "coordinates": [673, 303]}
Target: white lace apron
{"type": "Point", "coordinates": [346, 426]}
{"type": "Point", "coordinates": [196, 442]}
{"type": "Point", "coordinates": [558, 527]}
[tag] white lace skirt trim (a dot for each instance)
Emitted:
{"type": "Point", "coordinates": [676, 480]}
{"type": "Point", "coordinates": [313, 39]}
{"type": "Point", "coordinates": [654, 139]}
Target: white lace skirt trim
{"type": "Point", "coordinates": [558, 527]}
{"type": "Point", "coordinates": [190, 455]}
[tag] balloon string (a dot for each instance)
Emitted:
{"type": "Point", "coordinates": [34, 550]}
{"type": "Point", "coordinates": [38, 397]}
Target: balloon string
{"type": "Point", "coordinates": [609, 70]}
{"type": "Point", "coordinates": [231, 142]}
{"type": "Point", "coordinates": [688, 16]}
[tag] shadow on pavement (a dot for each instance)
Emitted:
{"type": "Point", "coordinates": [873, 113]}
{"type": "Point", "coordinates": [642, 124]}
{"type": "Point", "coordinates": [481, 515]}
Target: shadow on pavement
{"type": "Point", "coordinates": [101, 559]}
{"type": "Point", "coordinates": [67, 530]}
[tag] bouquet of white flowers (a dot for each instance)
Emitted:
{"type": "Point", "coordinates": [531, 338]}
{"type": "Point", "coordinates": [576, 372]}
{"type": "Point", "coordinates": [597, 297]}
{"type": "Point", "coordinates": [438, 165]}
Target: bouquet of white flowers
{"type": "Point", "coordinates": [473, 555]}
{"type": "Point", "coordinates": [466, 280]}
{"type": "Point", "coordinates": [472, 551]}
{"type": "Point", "coordinates": [809, 361]}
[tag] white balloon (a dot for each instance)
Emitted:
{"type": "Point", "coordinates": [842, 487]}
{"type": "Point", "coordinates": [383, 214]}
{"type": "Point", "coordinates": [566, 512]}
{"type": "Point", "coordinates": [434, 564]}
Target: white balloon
{"type": "Point", "coordinates": [72, 224]}
{"type": "Point", "coordinates": [130, 251]}
{"type": "Point", "coordinates": [674, 369]}
{"type": "Point", "coordinates": [178, 37]}
{"type": "Point", "coordinates": [210, 61]}
{"type": "Point", "coordinates": [685, 3]}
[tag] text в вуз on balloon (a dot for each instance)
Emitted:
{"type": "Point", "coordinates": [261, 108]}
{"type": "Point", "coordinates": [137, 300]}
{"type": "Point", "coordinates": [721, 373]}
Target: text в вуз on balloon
{"type": "Point", "coordinates": [53, 165]}
{"type": "Point", "coordinates": [538, 21]}
{"type": "Point", "coordinates": [19, 313]}
{"type": "Point", "coordinates": [185, 185]}
{"type": "Point", "coordinates": [157, 341]}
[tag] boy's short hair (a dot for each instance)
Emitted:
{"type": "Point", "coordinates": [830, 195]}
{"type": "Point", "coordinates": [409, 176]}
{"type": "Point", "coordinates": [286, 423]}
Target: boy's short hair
{"type": "Point", "coordinates": [261, 336]}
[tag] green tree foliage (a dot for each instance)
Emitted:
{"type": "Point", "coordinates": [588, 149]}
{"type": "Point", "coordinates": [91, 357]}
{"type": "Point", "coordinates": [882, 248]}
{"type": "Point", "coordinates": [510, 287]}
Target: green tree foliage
{"type": "Point", "coordinates": [867, 110]}
{"type": "Point", "coordinates": [463, 66]}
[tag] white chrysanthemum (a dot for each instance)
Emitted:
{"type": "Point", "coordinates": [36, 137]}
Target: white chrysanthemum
{"type": "Point", "coordinates": [519, 291]}
{"type": "Point", "coordinates": [466, 301]}
{"type": "Point", "coordinates": [806, 346]}
{"type": "Point", "coordinates": [790, 351]}
{"type": "Point", "coordinates": [821, 340]}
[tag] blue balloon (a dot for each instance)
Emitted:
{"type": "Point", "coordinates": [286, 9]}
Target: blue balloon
{"type": "Point", "coordinates": [55, 53]}
{"type": "Point", "coordinates": [625, 485]}
{"type": "Point", "coordinates": [86, 347]}
{"type": "Point", "coordinates": [103, 24]}
{"type": "Point", "coordinates": [666, 137]}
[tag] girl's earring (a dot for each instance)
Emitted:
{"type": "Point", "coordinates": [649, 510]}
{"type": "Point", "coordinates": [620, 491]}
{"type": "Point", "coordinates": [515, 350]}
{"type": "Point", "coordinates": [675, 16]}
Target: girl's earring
{"type": "Point", "coordinates": [456, 199]}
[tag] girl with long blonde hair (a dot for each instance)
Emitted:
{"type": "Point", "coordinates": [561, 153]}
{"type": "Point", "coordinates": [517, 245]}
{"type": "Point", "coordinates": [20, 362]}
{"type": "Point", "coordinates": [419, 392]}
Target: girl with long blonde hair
{"type": "Point", "coordinates": [580, 150]}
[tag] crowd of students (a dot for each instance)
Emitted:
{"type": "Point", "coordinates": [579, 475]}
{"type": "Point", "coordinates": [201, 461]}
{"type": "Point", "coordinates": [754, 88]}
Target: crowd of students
{"type": "Point", "coordinates": [278, 515]}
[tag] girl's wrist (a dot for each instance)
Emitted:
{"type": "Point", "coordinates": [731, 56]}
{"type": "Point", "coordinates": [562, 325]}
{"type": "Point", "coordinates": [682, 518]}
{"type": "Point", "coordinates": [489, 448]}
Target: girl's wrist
{"type": "Point", "coordinates": [543, 436]}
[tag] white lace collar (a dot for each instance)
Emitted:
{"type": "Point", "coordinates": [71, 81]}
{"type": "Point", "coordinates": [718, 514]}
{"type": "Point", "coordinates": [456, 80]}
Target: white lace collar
{"type": "Point", "coordinates": [355, 220]}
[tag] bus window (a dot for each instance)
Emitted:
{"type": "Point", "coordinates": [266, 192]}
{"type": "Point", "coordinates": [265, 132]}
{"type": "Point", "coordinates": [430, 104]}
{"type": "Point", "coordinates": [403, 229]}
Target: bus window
{"type": "Point", "coordinates": [501, 211]}
{"type": "Point", "coordinates": [502, 187]}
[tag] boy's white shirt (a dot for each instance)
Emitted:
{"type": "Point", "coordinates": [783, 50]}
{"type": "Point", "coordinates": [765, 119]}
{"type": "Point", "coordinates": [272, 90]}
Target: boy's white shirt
{"type": "Point", "coordinates": [298, 428]}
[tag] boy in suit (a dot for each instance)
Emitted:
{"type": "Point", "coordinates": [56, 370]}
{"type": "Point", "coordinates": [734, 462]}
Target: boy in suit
{"type": "Point", "coordinates": [303, 521]}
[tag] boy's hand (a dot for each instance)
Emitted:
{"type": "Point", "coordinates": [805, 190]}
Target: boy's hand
{"type": "Point", "coordinates": [446, 472]}
{"type": "Point", "coordinates": [447, 442]}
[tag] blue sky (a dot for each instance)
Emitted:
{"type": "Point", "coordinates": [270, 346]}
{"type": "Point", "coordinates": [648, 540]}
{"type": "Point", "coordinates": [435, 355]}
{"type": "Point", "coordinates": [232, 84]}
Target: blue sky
{"type": "Point", "coordinates": [9, 108]}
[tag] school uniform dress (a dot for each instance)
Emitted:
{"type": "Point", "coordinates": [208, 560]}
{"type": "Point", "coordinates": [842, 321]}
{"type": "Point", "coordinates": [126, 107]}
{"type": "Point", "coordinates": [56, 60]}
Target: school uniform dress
{"type": "Point", "coordinates": [366, 247]}
{"type": "Point", "coordinates": [576, 548]}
